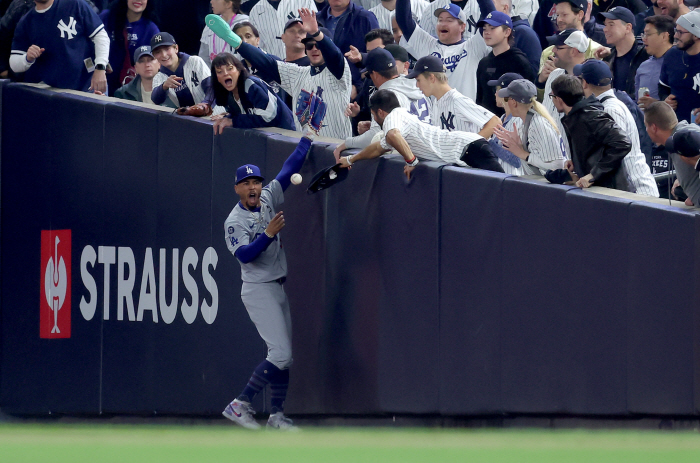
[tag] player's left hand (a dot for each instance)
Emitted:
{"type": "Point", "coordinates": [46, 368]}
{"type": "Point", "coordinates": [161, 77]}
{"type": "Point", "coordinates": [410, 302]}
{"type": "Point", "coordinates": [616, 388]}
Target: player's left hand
{"type": "Point", "coordinates": [221, 124]}
{"type": "Point", "coordinates": [585, 181]}
{"type": "Point", "coordinates": [99, 81]}
{"type": "Point", "coordinates": [309, 23]}
{"type": "Point", "coordinates": [407, 171]}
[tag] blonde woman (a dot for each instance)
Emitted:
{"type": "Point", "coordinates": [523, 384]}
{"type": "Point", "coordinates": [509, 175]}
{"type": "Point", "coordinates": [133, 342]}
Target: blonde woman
{"type": "Point", "coordinates": [537, 140]}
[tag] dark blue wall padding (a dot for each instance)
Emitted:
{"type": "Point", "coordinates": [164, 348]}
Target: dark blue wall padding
{"type": "Point", "coordinates": [470, 291]}
{"type": "Point", "coordinates": [595, 314]}
{"type": "Point", "coordinates": [409, 321]}
{"type": "Point", "coordinates": [46, 183]}
{"type": "Point", "coordinates": [664, 295]}
{"type": "Point", "coordinates": [458, 292]}
{"type": "Point", "coordinates": [534, 313]}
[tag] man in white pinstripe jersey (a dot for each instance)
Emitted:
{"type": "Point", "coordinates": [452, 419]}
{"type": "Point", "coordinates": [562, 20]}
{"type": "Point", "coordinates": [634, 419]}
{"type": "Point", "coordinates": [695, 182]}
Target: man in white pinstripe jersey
{"type": "Point", "coordinates": [597, 80]}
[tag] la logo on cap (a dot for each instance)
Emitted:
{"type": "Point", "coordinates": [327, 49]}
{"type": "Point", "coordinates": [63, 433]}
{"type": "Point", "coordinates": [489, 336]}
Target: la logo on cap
{"type": "Point", "coordinates": [248, 170]}
{"type": "Point", "coordinates": [489, 16]}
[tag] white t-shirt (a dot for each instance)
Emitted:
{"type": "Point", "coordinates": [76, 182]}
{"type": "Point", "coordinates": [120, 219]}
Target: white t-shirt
{"type": "Point", "coordinates": [146, 96]}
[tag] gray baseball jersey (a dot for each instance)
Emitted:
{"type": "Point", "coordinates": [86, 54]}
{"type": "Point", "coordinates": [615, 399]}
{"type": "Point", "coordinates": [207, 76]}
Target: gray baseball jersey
{"type": "Point", "coordinates": [454, 111]}
{"type": "Point", "coordinates": [544, 143]}
{"type": "Point", "coordinates": [270, 22]}
{"type": "Point", "coordinates": [384, 15]}
{"type": "Point", "coordinates": [428, 21]}
{"type": "Point", "coordinates": [334, 92]}
{"type": "Point", "coordinates": [638, 172]}
{"type": "Point", "coordinates": [243, 227]}
{"type": "Point", "coordinates": [427, 142]}
{"type": "Point", "coordinates": [460, 59]}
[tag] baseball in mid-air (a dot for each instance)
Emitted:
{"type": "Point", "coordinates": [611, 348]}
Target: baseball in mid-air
{"type": "Point", "coordinates": [296, 179]}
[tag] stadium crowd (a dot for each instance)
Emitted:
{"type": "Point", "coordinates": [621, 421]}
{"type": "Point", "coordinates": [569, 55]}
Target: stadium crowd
{"type": "Point", "coordinates": [583, 92]}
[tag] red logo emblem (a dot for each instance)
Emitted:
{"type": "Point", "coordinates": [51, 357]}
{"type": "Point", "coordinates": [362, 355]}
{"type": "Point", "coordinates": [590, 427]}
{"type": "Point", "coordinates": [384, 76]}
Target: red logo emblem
{"type": "Point", "coordinates": [54, 302]}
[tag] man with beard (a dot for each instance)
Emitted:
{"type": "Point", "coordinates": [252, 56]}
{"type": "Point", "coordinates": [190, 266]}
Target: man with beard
{"type": "Point", "coordinates": [673, 8]}
{"type": "Point", "coordinates": [679, 81]}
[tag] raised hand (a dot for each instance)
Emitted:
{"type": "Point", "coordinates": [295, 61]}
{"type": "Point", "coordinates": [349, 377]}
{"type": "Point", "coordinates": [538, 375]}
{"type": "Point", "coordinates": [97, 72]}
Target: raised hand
{"type": "Point", "coordinates": [309, 23]}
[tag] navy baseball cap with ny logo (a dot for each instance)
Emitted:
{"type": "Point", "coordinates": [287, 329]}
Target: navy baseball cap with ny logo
{"type": "Point", "coordinates": [247, 171]}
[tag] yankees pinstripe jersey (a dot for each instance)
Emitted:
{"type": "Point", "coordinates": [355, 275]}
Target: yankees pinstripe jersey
{"type": "Point", "coordinates": [243, 226]}
{"type": "Point", "coordinates": [211, 45]}
{"type": "Point", "coordinates": [454, 111]}
{"type": "Point", "coordinates": [549, 104]}
{"type": "Point", "coordinates": [638, 172]}
{"type": "Point", "coordinates": [409, 97]}
{"type": "Point", "coordinates": [508, 123]}
{"type": "Point", "coordinates": [270, 22]}
{"type": "Point", "coordinates": [196, 74]}
{"type": "Point", "coordinates": [384, 16]}
{"type": "Point", "coordinates": [545, 145]}
{"type": "Point", "coordinates": [428, 21]}
{"type": "Point", "coordinates": [461, 59]}
{"type": "Point", "coordinates": [526, 9]}
{"type": "Point", "coordinates": [427, 142]}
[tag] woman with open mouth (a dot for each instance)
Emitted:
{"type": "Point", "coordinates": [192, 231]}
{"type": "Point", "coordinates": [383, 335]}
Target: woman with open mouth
{"type": "Point", "coordinates": [130, 24]}
{"type": "Point", "coordinates": [250, 101]}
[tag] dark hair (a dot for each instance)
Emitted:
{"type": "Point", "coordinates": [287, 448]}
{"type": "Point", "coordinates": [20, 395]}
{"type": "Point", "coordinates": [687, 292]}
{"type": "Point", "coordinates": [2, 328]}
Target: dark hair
{"type": "Point", "coordinates": [574, 9]}
{"type": "Point", "coordinates": [568, 88]}
{"type": "Point", "coordinates": [116, 20]}
{"type": "Point", "coordinates": [661, 115]}
{"type": "Point", "coordinates": [386, 36]}
{"type": "Point", "coordinates": [246, 24]}
{"type": "Point", "coordinates": [225, 59]}
{"type": "Point", "coordinates": [511, 37]}
{"type": "Point", "coordinates": [663, 23]}
{"type": "Point", "coordinates": [385, 100]}
{"type": "Point", "coordinates": [389, 73]}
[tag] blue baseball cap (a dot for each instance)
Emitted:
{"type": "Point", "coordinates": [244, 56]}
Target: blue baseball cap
{"type": "Point", "coordinates": [379, 60]}
{"type": "Point", "coordinates": [162, 39]}
{"type": "Point", "coordinates": [428, 63]}
{"type": "Point", "coordinates": [495, 19]}
{"type": "Point", "coordinates": [684, 142]}
{"type": "Point", "coordinates": [505, 80]}
{"type": "Point", "coordinates": [140, 51]}
{"type": "Point", "coordinates": [595, 72]}
{"type": "Point", "coordinates": [454, 10]}
{"type": "Point", "coordinates": [621, 13]}
{"type": "Point", "coordinates": [247, 171]}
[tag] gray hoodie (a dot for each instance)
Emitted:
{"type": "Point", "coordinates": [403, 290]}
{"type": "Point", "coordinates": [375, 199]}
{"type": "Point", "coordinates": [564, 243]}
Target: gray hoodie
{"type": "Point", "coordinates": [409, 97]}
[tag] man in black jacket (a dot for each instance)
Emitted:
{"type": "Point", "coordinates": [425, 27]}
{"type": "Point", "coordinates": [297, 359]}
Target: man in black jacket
{"type": "Point", "coordinates": [597, 144]}
{"type": "Point", "coordinates": [627, 51]}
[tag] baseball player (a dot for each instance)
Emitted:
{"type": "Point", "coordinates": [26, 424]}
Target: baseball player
{"type": "Point", "coordinates": [382, 70]}
{"type": "Point", "coordinates": [328, 77]}
{"type": "Point", "coordinates": [597, 80]}
{"type": "Point", "coordinates": [416, 140]}
{"type": "Point", "coordinates": [472, 14]}
{"type": "Point", "coordinates": [450, 109]}
{"type": "Point", "coordinates": [252, 235]}
{"type": "Point", "coordinates": [270, 21]}
{"type": "Point", "coordinates": [461, 57]}
{"type": "Point", "coordinates": [536, 141]}
{"type": "Point", "coordinates": [183, 78]}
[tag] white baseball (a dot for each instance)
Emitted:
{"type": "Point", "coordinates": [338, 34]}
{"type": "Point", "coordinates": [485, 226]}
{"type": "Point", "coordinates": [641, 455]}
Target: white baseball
{"type": "Point", "coordinates": [296, 179]}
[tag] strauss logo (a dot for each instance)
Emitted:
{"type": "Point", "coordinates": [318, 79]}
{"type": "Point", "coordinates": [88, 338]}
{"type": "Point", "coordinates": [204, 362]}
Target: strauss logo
{"type": "Point", "coordinates": [55, 279]}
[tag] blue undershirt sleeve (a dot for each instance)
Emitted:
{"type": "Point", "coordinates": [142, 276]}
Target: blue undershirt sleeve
{"type": "Point", "coordinates": [159, 94]}
{"type": "Point", "coordinates": [264, 63]}
{"type": "Point", "coordinates": [335, 61]}
{"type": "Point", "coordinates": [404, 18]}
{"type": "Point", "coordinates": [249, 252]}
{"type": "Point", "coordinates": [293, 163]}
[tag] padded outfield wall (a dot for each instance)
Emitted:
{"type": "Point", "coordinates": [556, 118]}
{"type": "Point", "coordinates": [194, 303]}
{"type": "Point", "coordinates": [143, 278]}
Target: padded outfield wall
{"type": "Point", "coordinates": [461, 292]}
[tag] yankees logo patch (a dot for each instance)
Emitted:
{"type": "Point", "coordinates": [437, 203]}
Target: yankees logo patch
{"type": "Point", "coordinates": [67, 30]}
{"type": "Point", "coordinates": [447, 123]}
{"type": "Point", "coordinates": [696, 82]}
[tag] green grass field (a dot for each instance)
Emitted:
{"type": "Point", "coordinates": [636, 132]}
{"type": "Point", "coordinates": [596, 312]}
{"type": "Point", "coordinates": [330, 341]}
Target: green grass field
{"type": "Point", "coordinates": [174, 444]}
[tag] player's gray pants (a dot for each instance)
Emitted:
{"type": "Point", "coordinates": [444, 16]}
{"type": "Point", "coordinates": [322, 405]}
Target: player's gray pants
{"type": "Point", "coordinates": [268, 308]}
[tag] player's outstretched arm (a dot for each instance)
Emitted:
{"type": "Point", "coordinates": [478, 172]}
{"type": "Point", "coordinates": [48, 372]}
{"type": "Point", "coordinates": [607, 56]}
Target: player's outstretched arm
{"type": "Point", "coordinates": [294, 162]}
{"type": "Point", "coordinates": [372, 151]}
{"type": "Point", "coordinates": [404, 18]}
{"type": "Point", "coordinates": [395, 139]}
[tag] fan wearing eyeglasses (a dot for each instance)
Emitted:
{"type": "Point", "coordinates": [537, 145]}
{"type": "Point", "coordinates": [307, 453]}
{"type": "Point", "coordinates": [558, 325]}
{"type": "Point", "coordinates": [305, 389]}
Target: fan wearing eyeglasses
{"type": "Point", "coordinates": [328, 77]}
{"type": "Point", "coordinates": [679, 79]}
{"type": "Point", "coordinates": [658, 39]}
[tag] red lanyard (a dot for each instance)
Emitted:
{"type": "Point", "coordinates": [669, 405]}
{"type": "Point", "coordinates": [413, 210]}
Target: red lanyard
{"type": "Point", "coordinates": [213, 40]}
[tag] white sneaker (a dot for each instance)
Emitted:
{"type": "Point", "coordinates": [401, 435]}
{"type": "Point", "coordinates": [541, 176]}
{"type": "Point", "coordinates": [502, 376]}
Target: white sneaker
{"type": "Point", "coordinates": [281, 422]}
{"type": "Point", "coordinates": [241, 413]}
